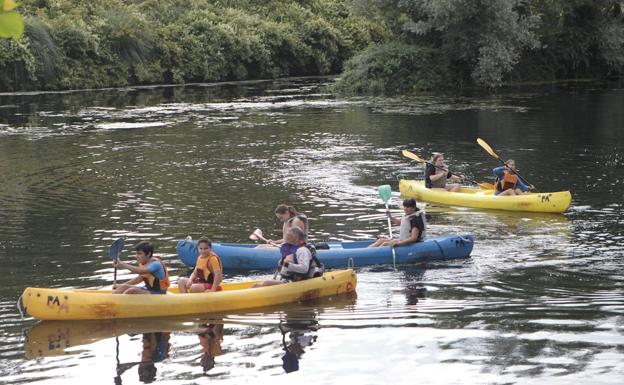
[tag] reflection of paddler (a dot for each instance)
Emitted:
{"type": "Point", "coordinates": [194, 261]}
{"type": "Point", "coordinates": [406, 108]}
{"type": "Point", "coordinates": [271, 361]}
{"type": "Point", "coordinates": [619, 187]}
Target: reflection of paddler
{"type": "Point", "coordinates": [155, 349]}
{"type": "Point", "coordinates": [210, 340]}
{"type": "Point", "coordinates": [297, 341]}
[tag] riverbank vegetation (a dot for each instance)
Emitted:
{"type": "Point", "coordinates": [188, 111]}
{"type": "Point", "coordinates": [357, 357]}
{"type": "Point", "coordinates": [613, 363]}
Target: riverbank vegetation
{"type": "Point", "coordinates": [88, 44]}
{"type": "Point", "coordinates": [379, 46]}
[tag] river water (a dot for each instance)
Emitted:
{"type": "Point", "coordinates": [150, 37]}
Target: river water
{"type": "Point", "coordinates": [540, 300]}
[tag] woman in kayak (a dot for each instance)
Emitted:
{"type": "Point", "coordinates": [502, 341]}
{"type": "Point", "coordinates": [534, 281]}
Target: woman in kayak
{"type": "Point", "coordinates": [508, 182]}
{"type": "Point", "coordinates": [208, 271]}
{"type": "Point", "coordinates": [151, 270]}
{"type": "Point", "coordinates": [290, 218]}
{"type": "Point", "coordinates": [437, 174]}
{"type": "Point", "coordinates": [413, 226]}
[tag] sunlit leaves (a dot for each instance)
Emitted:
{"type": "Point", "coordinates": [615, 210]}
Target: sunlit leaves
{"type": "Point", "coordinates": [11, 24]}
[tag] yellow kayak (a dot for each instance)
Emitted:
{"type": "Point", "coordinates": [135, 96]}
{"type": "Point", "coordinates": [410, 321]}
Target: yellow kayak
{"type": "Point", "coordinates": [62, 304]}
{"type": "Point", "coordinates": [547, 202]}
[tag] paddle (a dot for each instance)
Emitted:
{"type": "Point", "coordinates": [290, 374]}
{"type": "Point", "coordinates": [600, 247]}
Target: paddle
{"type": "Point", "coordinates": [411, 155]}
{"type": "Point", "coordinates": [257, 236]}
{"type": "Point", "coordinates": [115, 249]}
{"type": "Point", "coordinates": [385, 193]}
{"type": "Point", "coordinates": [489, 150]}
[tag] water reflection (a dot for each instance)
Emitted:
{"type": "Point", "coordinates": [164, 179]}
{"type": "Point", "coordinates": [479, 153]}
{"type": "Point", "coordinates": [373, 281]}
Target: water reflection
{"type": "Point", "coordinates": [210, 339]}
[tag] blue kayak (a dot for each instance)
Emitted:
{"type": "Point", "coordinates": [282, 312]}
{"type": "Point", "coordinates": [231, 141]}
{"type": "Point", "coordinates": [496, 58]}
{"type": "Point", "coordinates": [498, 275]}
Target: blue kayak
{"type": "Point", "coordinates": [238, 256]}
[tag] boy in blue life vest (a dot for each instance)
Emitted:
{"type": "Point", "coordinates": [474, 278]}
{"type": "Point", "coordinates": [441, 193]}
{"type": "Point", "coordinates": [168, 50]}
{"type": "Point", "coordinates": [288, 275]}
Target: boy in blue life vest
{"type": "Point", "coordinates": [208, 272]}
{"type": "Point", "coordinates": [151, 270]}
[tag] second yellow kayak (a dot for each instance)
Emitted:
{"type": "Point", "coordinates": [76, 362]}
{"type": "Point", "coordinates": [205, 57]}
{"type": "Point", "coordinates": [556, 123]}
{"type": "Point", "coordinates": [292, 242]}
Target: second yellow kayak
{"type": "Point", "coordinates": [547, 202]}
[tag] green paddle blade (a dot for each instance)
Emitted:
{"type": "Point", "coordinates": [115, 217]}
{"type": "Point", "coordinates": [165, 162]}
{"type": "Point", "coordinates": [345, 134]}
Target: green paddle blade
{"type": "Point", "coordinates": [385, 192]}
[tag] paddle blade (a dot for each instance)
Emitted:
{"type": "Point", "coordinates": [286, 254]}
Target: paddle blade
{"type": "Point", "coordinates": [385, 192]}
{"type": "Point", "coordinates": [487, 148]}
{"type": "Point", "coordinates": [412, 156]}
{"type": "Point", "coordinates": [115, 248]}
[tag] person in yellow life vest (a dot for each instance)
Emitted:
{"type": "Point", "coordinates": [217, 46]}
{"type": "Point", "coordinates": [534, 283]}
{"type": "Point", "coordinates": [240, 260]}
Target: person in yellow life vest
{"type": "Point", "coordinates": [208, 272]}
{"type": "Point", "coordinates": [151, 270]}
{"type": "Point", "coordinates": [508, 182]}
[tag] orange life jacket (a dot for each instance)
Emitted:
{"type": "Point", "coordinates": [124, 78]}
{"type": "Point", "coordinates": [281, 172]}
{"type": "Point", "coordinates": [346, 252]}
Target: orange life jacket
{"type": "Point", "coordinates": [204, 273]}
{"type": "Point", "coordinates": [509, 181]}
{"type": "Point", "coordinates": [153, 283]}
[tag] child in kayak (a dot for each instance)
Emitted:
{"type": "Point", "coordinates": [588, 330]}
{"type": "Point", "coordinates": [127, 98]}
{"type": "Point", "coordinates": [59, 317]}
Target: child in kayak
{"type": "Point", "coordinates": [151, 270]}
{"type": "Point", "coordinates": [208, 272]}
{"type": "Point", "coordinates": [413, 226]}
{"type": "Point", "coordinates": [508, 182]}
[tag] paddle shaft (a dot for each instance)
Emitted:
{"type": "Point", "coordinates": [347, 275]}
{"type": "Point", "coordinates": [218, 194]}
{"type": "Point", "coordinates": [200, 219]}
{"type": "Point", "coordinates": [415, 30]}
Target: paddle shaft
{"type": "Point", "coordinates": [389, 223]}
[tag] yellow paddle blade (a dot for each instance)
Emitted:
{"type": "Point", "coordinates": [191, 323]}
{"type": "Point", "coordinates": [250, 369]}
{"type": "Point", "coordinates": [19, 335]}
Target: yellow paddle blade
{"type": "Point", "coordinates": [413, 156]}
{"type": "Point", "coordinates": [487, 148]}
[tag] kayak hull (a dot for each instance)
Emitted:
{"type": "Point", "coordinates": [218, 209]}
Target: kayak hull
{"type": "Point", "coordinates": [340, 254]}
{"type": "Point", "coordinates": [547, 202]}
{"type": "Point", "coordinates": [62, 304]}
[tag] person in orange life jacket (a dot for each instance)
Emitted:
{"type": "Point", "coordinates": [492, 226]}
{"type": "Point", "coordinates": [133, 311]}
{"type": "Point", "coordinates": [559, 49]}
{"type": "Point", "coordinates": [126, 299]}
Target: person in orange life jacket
{"type": "Point", "coordinates": [289, 218]}
{"type": "Point", "coordinates": [437, 177]}
{"type": "Point", "coordinates": [208, 272]}
{"type": "Point", "coordinates": [297, 260]}
{"type": "Point", "coordinates": [210, 340]}
{"type": "Point", "coordinates": [507, 182]}
{"type": "Point", "coordinates": [151, 270]}
{"type": "Point", "coordinates": [413, 226]}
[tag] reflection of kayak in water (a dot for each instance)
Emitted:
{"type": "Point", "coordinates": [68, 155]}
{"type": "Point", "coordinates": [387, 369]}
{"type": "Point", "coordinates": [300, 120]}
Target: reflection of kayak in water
{"type": "Point", "coordinates": [51, 338]}
{"type": "Point", "coordinates": [59, 304]}
{"type": "Point", "coordinates": [547, 202]}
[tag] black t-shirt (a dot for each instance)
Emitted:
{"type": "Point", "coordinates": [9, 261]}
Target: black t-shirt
{"type": "Point", "coordinates": [416, 221]}
{"type": "Point", "coordinates": [431, 170]}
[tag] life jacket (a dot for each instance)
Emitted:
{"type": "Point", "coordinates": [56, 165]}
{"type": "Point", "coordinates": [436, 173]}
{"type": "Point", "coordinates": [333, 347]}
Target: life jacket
{"type": "Point", "coordinates": [406, 230]}
{"type": "Point", "coordinates": [203, 268]}
{"type": "Point", "coordinates": [153, 283]}
{"type": "Point", "coordinates": [509, 180]}
{"type": "Point", "coordinates": [315, 268]}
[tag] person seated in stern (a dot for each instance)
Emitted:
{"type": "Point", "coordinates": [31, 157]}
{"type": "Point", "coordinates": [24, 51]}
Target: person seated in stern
{"type": "Point", "coordinates": [298, 260]}
{"type": "Point", "coordinates": [412, 226]}
{"type": "Point", "coordinates": [507, 180]}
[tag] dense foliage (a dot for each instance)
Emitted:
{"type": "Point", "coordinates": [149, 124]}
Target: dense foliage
{"type": "Point", "coordinates": [488, 42]}
{"type": "Point", "coordinates": [84, 44]}
{"type": "Point", "coordinates": [390, 46]}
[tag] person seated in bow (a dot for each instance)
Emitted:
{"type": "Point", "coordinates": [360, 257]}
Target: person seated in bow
{"type": "Point", "coordinates": [151, 270]}
{"type": "Point", "coordinates": [437, 175]}
{"type": "Point", "coordinates": [208, 272]}
{"type": "Point", "coordinates": [298, 260]}
{"type": "Point", "coordinates": [413, 226]}
{"type": "Point", "coordinates": [508, 182]}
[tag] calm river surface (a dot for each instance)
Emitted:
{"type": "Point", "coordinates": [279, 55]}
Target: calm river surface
{"type": "Point", "coordinates": [541, 300]}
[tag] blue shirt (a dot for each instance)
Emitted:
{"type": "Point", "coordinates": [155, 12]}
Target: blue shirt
{"type": "Point", "coordinates": [156, 269]}
{"type": "Point", "coordinates": [499, 171]}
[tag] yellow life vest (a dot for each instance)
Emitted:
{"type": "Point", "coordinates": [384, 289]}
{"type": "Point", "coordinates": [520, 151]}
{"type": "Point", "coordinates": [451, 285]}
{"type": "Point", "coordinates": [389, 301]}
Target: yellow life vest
{"type": "Point", "coordinates": [204, 272]}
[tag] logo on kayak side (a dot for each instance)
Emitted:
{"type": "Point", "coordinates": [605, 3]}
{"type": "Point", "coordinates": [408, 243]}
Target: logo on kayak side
{"type": "Point", "coordinates": [54, 301]}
